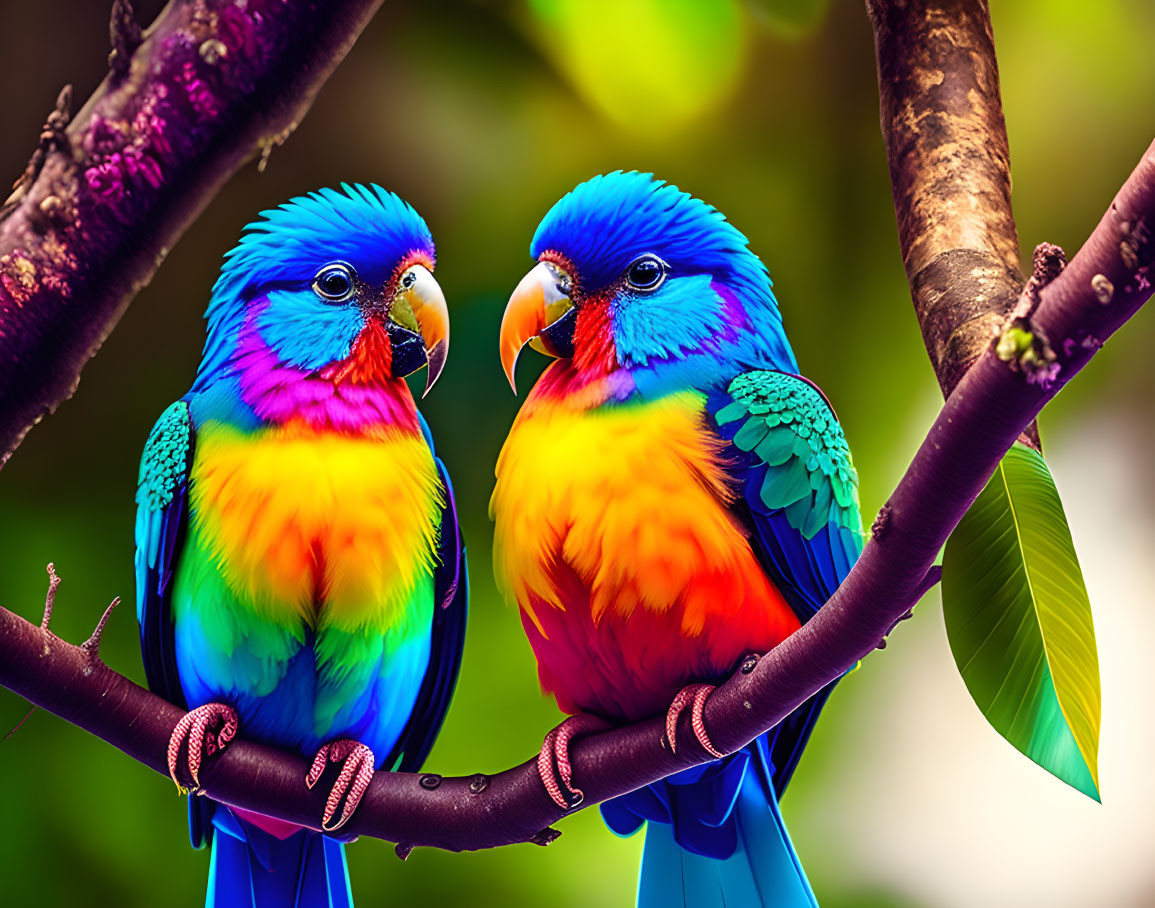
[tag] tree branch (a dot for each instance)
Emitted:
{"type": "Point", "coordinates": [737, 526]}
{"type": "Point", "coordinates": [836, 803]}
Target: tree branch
{"type": "Point", "coordinates": [946, 144]}
{"type": "Point", "coordinates": [1065, 323]}
{"type": "Point", "coordinates": [106, 195]}
{"type": "Point", "coordinates": [948, 162]}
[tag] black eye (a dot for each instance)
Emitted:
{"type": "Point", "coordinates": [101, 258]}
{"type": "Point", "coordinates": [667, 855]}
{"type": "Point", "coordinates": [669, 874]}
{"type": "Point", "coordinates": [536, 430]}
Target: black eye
{"type": "Point", "coordinates": [647, 273]}
{"type": "Point", "coordinates": [334, 282]}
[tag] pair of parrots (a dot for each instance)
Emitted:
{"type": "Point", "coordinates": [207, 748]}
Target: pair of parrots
{"type": "Point", "coordinates": [672, 497]}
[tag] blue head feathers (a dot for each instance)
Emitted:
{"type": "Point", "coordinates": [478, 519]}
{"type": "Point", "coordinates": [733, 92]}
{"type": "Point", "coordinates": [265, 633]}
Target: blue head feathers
{"type": "Point", "coordinates": [274, 265]}
{"type": "Point", "coordinates": [605, 223]}
{"type": "Point", "coordinates": [367, 226]}
{"type": "Point", "coordinates": [712, 314]}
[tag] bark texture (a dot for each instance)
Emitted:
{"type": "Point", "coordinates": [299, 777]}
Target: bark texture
{"type": "Point", "coordinates": [109, 191]}
{"type": "Point", "coordinates": [946, 143]}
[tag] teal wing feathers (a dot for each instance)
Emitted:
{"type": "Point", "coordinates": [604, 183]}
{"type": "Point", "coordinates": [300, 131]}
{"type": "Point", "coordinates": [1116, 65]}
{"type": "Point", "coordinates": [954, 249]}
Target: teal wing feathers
{"type": "Point", "coordinates": [800, 502]}
{"type": "Point", "coordinates": [799, 482]}
{"type": "Point", "coordinates": [161, 518]}
{"type": "Point", "coordinates": [161, 521]}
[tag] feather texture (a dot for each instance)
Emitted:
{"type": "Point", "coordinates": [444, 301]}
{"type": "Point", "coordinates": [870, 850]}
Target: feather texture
{"type": "Point", "coordinates": [634, 559]}
{"type": "Point", "coordinates": [298, 552]}
{"type": "Point", "coordinates": [672, 497]}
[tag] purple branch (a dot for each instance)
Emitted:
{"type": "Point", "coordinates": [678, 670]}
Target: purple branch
{"type": "Point", "coordinates": [106, 195]}
{"type": "Point", "coordinates": [1067, 320]}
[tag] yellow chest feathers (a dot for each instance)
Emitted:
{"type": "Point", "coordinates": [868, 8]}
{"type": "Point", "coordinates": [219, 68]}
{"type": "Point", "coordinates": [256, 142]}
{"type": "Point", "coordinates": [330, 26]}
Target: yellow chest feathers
{"type": "Point", "coordinates": [632, 498]}
{"type": "Point", "coordinates": [294, 518]}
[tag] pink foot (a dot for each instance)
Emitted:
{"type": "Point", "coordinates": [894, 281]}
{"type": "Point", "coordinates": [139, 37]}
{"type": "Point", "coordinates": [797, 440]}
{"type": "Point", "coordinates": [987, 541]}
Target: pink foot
{"type": "Point", "coordinates": [556, 747]}
{"type": "Point", "coordinates": [356, 774]}
{"type": "Point", "coordinates": [695, 694]}
{"type": "Point", "coordinates": [199, 728]}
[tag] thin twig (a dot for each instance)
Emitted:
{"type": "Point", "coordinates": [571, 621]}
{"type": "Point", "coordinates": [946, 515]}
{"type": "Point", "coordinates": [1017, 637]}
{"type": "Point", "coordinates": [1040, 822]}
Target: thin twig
{"type": "Point", "coordinates": [50, 598]}
{"type": "Point", "coordinates": [17, 726]}
{"type": "Point", "coordinates": [92, 644]}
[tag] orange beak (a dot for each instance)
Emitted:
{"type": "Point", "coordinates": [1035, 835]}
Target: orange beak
{"type": "Point", "coordinates": [539, 306]}
{"type": "Point", "coordinates": [420, 305]}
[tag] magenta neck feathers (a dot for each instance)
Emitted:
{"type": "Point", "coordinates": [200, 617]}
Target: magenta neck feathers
{"type": "Point", "coordinates": [336, 399]}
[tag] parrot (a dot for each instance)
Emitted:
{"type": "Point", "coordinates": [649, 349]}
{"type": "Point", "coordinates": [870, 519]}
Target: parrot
{"type": "Point", "coordinates": [300, 571]}
{"type": "Point", "coordinates": [672, 497]}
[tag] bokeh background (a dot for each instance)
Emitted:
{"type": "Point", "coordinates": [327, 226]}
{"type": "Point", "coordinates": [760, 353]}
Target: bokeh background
{"type": "Point", "coordinates": [482, 114]}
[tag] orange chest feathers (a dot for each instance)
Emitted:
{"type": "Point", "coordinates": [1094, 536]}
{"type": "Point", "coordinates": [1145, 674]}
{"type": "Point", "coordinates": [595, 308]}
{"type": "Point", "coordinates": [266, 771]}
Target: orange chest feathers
{"type": "Point", "coordinates": [614, 535]}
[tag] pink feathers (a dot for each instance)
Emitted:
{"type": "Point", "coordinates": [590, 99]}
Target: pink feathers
{"type": "Point", "coordinates": [283, 393]}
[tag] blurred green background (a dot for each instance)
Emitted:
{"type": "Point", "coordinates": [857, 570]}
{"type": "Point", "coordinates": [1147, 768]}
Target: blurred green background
{"type": "Point", "coordinates": [482, 114]}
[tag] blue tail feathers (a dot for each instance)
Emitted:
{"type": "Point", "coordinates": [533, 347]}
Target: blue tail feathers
{"type": "Point", "coordinates": [252, 869]}
{"type": "Point", "coordinates": [714, 837]}
{"type": "Point", "coordinates": [763, 870]}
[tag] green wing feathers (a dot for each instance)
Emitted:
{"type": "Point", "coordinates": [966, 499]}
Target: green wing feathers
{"type": "Point", "coordinates": [790, 427]}
{"type": "Point", "coordinates": [165, 462]}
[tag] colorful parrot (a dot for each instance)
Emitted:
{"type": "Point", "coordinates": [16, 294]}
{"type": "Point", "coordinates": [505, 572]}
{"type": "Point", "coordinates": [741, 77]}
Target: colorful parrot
{"type": "Point", "coordinates": [672, 497]}
{"type": "Point", "coordinates": [300, 572]}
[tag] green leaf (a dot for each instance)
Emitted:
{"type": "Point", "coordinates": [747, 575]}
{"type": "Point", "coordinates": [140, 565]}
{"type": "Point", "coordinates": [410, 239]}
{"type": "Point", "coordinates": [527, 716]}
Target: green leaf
{"type": "Point", "coordinates": [1019, 621]}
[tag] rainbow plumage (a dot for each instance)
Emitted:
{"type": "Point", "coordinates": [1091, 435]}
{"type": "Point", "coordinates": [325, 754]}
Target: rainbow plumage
{"type": "Point", "coordinates": [298, 555]}
{"type": "Point", "coordinates": [671, 497]}
{"type": "Point", "coordinates": [584, 555]}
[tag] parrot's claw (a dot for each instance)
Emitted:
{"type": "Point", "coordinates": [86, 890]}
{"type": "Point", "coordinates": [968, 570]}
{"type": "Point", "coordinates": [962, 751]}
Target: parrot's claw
{"type": "Point", "coordinates": [356, 773]}
{"type": "Point", "coordinates": [200, 728]}
{"type": "Point", "coordinates": [695, 696]}
{"type": "Point", "coordinates": [555, 747]}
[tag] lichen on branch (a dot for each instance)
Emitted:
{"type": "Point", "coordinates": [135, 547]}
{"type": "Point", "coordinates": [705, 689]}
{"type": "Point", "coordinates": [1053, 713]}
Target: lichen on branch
{"type": "Point", "coordinates": [108, 192]}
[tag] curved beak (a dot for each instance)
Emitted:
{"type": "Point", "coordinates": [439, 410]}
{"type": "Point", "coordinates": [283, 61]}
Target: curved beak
{"type": "Point", "coordinates": [540, 313]}
{"type": "Point", "coordinates": [419, 325]}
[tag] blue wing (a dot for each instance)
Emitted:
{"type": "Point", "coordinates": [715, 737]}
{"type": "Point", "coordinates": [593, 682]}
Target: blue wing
{"type": "Point", "coordinates": [800, 503]}
{"type": "Point", "coordinates": [161, 521]}
{"type": "Point", "coordinates": [451, 586]}
{"type": "Point", "coordinates": [161, 518]}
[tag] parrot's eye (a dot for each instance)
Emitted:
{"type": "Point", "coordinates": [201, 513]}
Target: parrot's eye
{"type": "Point", "coordinates": [334, 282]}
{"type": "Point", "coordinates": [646, 273]}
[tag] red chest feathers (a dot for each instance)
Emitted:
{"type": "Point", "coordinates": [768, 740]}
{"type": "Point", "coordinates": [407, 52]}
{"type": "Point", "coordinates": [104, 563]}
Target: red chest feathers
{"type": "Point", "coordinates": [614, 537]}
